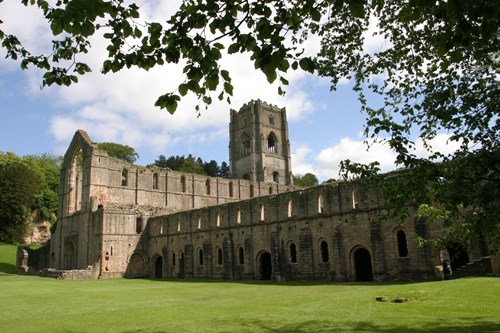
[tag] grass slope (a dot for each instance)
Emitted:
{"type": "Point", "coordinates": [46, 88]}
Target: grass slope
{"type": "Point", "coordinates": [34, 304]}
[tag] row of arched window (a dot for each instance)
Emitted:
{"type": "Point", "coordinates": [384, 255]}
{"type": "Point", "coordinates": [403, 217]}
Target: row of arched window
{"type": "Point", "coordinates": [272, 144]}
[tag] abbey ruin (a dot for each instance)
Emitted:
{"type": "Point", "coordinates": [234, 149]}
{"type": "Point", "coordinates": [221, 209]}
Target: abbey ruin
{"type": "Point", "coordinates": [116, 219]}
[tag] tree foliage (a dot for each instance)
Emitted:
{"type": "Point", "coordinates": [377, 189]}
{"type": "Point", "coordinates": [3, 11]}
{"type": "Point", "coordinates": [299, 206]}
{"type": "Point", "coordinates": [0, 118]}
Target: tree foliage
{"type": "Point", "coordinates": [306, 180]}
{"type": "Point", "coordinates": [436, 70]}
{"type": "Point", "coordinates": [191, 164]}
{"type": "Point", "coordinates": [123, 152]}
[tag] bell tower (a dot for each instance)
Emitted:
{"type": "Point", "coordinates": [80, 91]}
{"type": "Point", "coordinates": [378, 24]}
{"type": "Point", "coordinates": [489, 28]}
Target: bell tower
{"type": "Point", "coordinates": [259, 149]}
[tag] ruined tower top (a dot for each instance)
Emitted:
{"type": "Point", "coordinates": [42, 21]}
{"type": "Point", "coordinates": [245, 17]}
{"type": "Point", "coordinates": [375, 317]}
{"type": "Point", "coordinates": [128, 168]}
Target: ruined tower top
{"type": "Point", "coordinates": [259, 149]}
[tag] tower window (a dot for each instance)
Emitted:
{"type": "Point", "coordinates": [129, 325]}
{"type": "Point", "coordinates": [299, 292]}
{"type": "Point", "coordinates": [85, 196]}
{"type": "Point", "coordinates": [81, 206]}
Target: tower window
{"type": "Point", "coordinates": [293, 253]}
{"type": "Point", "coordinates": [219, 256]}
{"type": "Point", "coordinates": [276, 176]}
{"type": "Point", "coordinates": [241, 256]}
{"type": "Point", "coordinates": [271, 143]}
{"type": "Point", "coordinates": [325, 257]}
{"type": "Point", "coordinates": [402, 244]}
{"type": "Point", "coordinates": [231, 191]}
{"type": "Point", "coordinates": [271, 120]}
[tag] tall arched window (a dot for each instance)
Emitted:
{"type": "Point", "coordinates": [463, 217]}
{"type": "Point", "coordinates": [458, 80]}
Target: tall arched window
{"type": "Point", "coordinates": [270, 190]}
{"type": "Point", "coordinates": [200, 257]}
{"type": "Point", "coordinates": [207, 185]}
{"type": "Point", "coordinates": [124, 177]}
{"type": "Point", "coordinates": [293, 253]}
{"type": "Point", "coordinates": [325, 256]}
{"type": "Point", "coordinates": [198, 217]}
{"type": "Point", "coordinates": [238, 216]}
{"type": "Point", "coordinates": [272, 143]}
{"type": "Point", "coordinates": [173, 259]}
{"type": "Point", "coordinates": [155, 181]}
{"type": "Point", "coordinates": [251, 191]}
{"type": "Point", "coordinates": [402, 244]}
{"type": "Point", "coordinates": [245, 140]}
{"type": "Point", "coordinates": [219, 256]}
{"type": "Point", "coordinates": [289, 208]}
{"type": "Point", "coordinates": [241, 256]}
{"type": "Point", "coordinates": [218, 220]}
{"type": "Point", "coordinates": [276, 176]}
{"type": "Point", "coordinates": [262, 213]}
{"type": "Point", "coordinates": [320, 204]}
{"type": "Point", "coordinates": [138, 225]}
{"type": "Point", "coordinates": [231, 190]}
{"type": "Point", "coordinates": [183, 184]}
{"type": "Point", "coordinates": [354, 200]}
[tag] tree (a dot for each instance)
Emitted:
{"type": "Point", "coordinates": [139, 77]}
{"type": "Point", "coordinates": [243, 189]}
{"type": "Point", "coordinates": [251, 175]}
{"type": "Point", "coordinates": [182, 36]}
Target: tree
{"type": "Point", "coordinates": [19, 184]}
{"type": "Point", "coordinates": [436, 70]}
{"type": "Point", "coordinates": [306, 180]}
{"type": "Point", "coordinates": [117, 150]}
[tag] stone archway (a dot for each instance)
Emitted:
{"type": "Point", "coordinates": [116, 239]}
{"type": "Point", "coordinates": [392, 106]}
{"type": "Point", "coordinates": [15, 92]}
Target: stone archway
{"type": "Point", "coordinates": [136, 266]}
{"type": "Point", "coordinates": [265, 266]}
{"type": "Point", "coordinates": [363, 265]}
{"type": "Point", "coordinates": [159, 267]}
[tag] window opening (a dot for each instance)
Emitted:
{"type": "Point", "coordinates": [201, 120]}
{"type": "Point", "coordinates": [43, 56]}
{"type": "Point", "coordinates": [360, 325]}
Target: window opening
{"type": "Point", "coordinates": [320, 204]}
{"type": "Point", "coordinates": [241, 256]}
{"type": "Point", "coordinates": [155, 181]}
{"type": "Point", "coordinates": [262, 215]}
{"type": "Point", "coordinates": [402, 244]}
{"type": "Point", "coordinates": [238, 216]}
{"type": "Point", "coordinates": [200, 257]}
{"type": "Point", "coordinates": [293, 253]}
{"type": "Point", "coordinates": [173, 259]}
{"type": "Point", "coordinates": [276, 177]}
{"type": "Point", "coordinates": [138, 225]}
{"type": "Point", "coordinates": [219, 256]}
{"type": "Point", "coordinates": [271, 143]}
{"type": "Point", "coordinates": [251, 191]}
{"type": "Point", "coordinates": [231, 191]}
{"type": "Point", "coordinates": [183, 184]}
{"type": "Point", "coordinates": [207, 184]}
{"type": "Point", "coordinates": [289, 208]}
{"type": "Point", "coordinates": [124, 177]}
{"type": "Point", "coordinates": [218, 220]}
{"type": "Point", "coordinates": [325, 256]}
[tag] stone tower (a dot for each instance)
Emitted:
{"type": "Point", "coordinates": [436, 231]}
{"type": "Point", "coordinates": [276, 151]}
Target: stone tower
{"type": "Point", "coordinates": [259, 149]}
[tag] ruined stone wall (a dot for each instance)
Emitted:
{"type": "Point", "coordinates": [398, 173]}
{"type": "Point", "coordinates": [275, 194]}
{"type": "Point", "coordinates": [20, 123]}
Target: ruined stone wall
{"type": "Point", "coordinates": [324, 226]}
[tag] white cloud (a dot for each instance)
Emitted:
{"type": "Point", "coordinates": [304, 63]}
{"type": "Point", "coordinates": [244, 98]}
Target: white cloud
{"type": "Point", "coordinates": [301, 161]}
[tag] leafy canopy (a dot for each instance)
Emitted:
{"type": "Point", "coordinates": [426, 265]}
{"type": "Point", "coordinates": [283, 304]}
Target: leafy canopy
{"type": "Point", "coordinates": [436, 70]}
{"type": "Point", "coordinates": [123, 152]}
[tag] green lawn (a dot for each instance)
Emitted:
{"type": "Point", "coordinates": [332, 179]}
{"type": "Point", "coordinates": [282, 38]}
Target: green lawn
{"type": "Point", "coordinates": [34, 304]}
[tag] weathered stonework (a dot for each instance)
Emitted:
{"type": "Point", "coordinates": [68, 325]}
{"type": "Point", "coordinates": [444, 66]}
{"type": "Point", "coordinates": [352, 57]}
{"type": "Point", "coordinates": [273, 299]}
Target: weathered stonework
{"type": "Point", "coordinates": [117, 219]}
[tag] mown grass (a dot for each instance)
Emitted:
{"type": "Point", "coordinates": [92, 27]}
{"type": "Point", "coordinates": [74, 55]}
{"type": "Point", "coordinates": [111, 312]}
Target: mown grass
{"type": "Point", "coordinates": [34, 304]}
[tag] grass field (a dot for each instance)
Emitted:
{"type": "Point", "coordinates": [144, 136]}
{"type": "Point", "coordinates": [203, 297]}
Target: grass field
{"type": "Point", "coordinates": [34, 304]}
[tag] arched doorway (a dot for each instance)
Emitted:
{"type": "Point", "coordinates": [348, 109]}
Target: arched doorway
{"type": "Point", "coordinates": [363, 265]}
{"type": "Point", "coordinates": [265, 266]}
{"type": "Point", "coordinates": [458, 255]}
{"type": "Point", "coordinates": [136, 266]}
{"type": "Point", "coordinates": [159, 267]}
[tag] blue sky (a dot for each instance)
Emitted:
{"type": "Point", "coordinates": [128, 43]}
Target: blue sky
{"type": "Point", "coordinates": [325, 127]}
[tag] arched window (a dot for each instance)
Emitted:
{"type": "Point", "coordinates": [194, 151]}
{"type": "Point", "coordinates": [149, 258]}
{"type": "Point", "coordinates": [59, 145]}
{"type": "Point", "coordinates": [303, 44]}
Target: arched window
{"type": "Point", "coordinates": [251, 191]}
{"type": "Point", "coordinates": [276, 176]}
{"type": "Point", "coordinates": [246, 176]}
{"type": "Point", "coordinates": [173, 259]}
{"type": "Point", "coordinates": [354, 200]}
{"type": "Point", "coordinates": [178, 225]}
{"type": "Point", "coordinates": [289, 208]}
{"type": "Point", "coordinates": [271, 143]}
{"type": "Point", "coordinates": [124, 177]}
{"type": "Point", "coordinates": [183, 184]}
{"type": "Point", "coordinates": [245, 140]}
{"type": "Point", "coordinates": [207, 185]}
{"type": "Point", "coordinates": [219, 256]}
{"type": "Point", "coordinates": [231, 190]}
{"type": "Point", "coordinates": [241, 256]}
{"type": "Point", "coordinates": [402, 245]}
{"type": "Point", "coordinates": [155, 181]}
{"type": "Point", "coordinates": [218, 220]}
{"type": "Point", "coordinates": [325, 256]}
{"type": "Point", "coordinates": [270, 190]}
{"type": "Point", "coordinates": [320, 204]}
{"type": "Point", "coordinates": [199, 221]}
{"type": "Point", "coordinates": [200, 257]}
{"type": "Point", "coordinates": [262, 213]}
{"type": "Point", "coordinates": [293, 253]}
{"type": "Point", "coordinates": [138, 225]}
{"type": "Point", "coordinates": [238, 216]}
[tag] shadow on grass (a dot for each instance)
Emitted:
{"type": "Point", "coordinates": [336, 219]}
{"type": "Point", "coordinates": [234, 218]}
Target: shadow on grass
{"type": "Point", "coordinates": [7, 269]}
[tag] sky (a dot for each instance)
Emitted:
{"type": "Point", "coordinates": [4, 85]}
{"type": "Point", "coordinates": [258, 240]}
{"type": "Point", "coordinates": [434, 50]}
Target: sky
{"type": "Point", "coordinates": [324, 127]}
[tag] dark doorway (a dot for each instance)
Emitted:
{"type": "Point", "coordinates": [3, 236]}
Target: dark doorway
{"type": "Point", "coordinates": [159, 267]}
{"type": "Point", "coordinates": [363, 265]}
{"type": "Point", "coordinates": [458, 255]}
{"type": "Point", "coordinates": [265, 266]}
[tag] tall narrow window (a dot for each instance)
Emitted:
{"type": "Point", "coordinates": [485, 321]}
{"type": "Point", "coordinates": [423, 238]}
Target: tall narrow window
{"type": "Point", "coordinates": [173, 259]}
{"type": "Point", "coordinates": [207, 185]}
{"type": "Point", "coordinates": [241, 256]}
{"type": "Point", "coordinates": [251, 191]}
{"type": "Point", "coordinates": [354, 200]}
{"type": "Point", "coordinates": [155, 181]}
{"type": "Point", "coordinates": [219, 256]}
{"type": "Point", "coordinates": [231, 190]}
{"type": "Point", "coordinates": [289, 208]}
{"type": "Point", "coordinates": [178, 225]}
{"type": "Point", "coordinates": [262, 213]}
{"type": "Point", "coordinates": [320, 204]}
{"type": "Point", "coordinates": [124, 177]}
{"type": "Point", "coordinates": [199, 221]}
{"type": "Point", "coordinates": [200, 257]}
{"type": "Point", "coordinates": [183, 184]}
{"type": "Point", "coordinates": [293, 253]}
{"type": "Point", "coordinates": [325, 256]}
{"type": "Point", "coordinates": [218, 220]}
{"type": "Point", "coordinates": [270, 190]}
{"type": "Point", "coordinates": [402, 245]}
{"type": "Point", "coordinates": [138, 225]}
{"type": "Point", "coordinates": [238, 216]}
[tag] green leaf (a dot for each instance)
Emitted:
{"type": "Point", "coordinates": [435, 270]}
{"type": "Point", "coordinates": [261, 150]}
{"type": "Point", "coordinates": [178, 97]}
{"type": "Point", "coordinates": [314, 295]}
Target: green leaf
{"type": "Point", "coordinates": [183, 89]}
{"type": "Point", "coordinates": [225, 75]}
{"type": "Point", "coordinates": [357, 8]}
{"type": "Point", "coordinates": [228, 88]}
{"type": "Point", "coordinates": [233, 48]}
{"type": "Point", "coordinates": [307, 65]}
